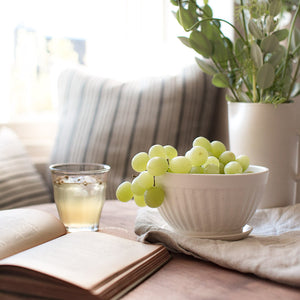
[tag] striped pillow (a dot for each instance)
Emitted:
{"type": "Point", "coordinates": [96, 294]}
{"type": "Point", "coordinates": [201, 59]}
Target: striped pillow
{"type": "Point", "coordinates": [20, 183]}
{"type": "Point", "coordinates": [106, 121]}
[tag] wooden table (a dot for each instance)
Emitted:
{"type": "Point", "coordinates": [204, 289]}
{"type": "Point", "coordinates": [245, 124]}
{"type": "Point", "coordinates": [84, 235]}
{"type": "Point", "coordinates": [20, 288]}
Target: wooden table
{"type": "Point", "coordinates": [185, 277]}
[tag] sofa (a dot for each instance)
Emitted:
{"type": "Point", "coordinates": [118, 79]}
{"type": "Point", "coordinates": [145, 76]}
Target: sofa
{"type": "Point", "coordinates": [103, 120]}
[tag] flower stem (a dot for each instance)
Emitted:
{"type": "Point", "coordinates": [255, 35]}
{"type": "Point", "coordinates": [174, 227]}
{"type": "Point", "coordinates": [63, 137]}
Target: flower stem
{"type": "Point", "coordinates": [254, 85]}
{"type": "Point", "coordinates": [294, 80]}
{"type": "Point", "coordinates": [289, 43]}
{"type": "Point", "coordinates": [244, 22]}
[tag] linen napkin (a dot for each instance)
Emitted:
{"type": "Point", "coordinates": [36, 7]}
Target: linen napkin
{"type": "Point", "coordinates": [272, 250]}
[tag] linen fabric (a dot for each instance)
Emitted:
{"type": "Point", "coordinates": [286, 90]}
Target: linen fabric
{"type": "Point", "coordinates": [20, 182]}
{"type": "Point", "coordinates": [107, 121]}
{"type": "Point", "coordinates": [272, 250]}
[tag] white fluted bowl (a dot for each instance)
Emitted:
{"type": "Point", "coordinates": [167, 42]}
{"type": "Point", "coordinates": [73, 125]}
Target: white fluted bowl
{"type": "Point", "coordinates": [211, 205]}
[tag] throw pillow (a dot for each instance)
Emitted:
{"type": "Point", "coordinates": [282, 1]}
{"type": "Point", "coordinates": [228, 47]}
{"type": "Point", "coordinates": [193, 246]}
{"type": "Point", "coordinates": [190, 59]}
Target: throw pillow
{"type": "Point", "coordinates": [106, 121]}
{"type": "Point", "coordinates": [20, 183]}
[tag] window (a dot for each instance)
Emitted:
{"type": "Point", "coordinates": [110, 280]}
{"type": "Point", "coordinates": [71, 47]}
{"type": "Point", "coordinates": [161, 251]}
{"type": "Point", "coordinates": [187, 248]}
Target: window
{"type": "Point", "coordinates": [117, 38]}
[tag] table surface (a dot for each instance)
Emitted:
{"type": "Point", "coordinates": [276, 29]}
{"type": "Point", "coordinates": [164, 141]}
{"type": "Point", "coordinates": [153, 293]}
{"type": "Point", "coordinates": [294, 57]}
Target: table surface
{"type": "Point", "coordinates": [185, 277]}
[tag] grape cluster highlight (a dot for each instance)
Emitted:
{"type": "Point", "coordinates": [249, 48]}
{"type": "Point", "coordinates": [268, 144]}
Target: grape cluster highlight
{"type": "Point", "coordinates": [204, 157]}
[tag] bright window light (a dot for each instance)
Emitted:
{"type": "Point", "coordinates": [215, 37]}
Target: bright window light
{"type": "Point", "coordinates": [124, 39]}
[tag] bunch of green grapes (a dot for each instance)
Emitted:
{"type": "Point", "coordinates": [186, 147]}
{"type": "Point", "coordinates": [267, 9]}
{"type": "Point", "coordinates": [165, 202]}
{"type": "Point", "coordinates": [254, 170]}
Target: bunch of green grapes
{"type": "Point", "coordinates": [204, 157]}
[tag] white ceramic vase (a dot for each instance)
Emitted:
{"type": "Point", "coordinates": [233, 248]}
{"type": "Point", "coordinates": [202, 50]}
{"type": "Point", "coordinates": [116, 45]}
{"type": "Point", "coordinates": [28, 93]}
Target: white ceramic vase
{"type": "Point", "coordinates": [269, 135]}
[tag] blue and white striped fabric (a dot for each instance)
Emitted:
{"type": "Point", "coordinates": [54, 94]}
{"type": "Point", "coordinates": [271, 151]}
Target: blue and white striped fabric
{"type": "Point", "coordinates": [20, 182]}
{"type": "Point", "coordinates": [106, 121]}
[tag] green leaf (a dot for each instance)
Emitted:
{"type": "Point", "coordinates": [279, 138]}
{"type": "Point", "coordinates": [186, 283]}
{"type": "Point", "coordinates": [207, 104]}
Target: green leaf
{"type": "Point", "coordinates": [257, 9]}
{"type": "Point", "coordinates": [269, 44]}
{"type": "Point", "coordinates": [206, 67]}
{"type": "Point", "coordinates": [277, 56]}
{"type": "Point", "coordinates": [220, 53]}
{"type": "Point", "coordinates": [274, 7]}
{"type": "Point", "coordinates": [281, 34]}
{"type": "Point", "coordinates": [185, 41]}
{"type": "Point", "coordinates": [210, 31]}
{"type": "Point", "coordinates": [286, 81]}
{"type": "Point", "coordinates": [239, 49]}
{"type": "Point", "coordinates": [296, 90]}
{"type": "Point", "coordinates": [243, 97]}
{"type": "Point", "coordinates": [255, 30]}
{"type": "Point", "coordinates": [265, 76]}
{"type": "Point", "coordinates": [208, 11]}
{"type": "Point", "coordinates": [186, 18]}
{"type": "Point", "coordinates": [220, 80]}
{"type": "Point", "coordinates": [201, 44]}
{"type": "Point", "coordinates": [256, 55]}
{"type": "Point", "coordinates": [270, 24]}
{"type": "Point", "coordinates": [229, 98]}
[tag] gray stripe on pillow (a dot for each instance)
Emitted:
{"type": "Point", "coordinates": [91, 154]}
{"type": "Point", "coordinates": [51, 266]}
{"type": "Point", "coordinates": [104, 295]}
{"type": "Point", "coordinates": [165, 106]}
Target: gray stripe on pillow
{"type": "Point", "coordinates": [112, 124]}
{"type": "Point", "coordinates": [77, 116]}
{"type": "Point", "coordinates": [131, 136]}
{"type": "Point", "coordinates": [20, 183]}
{"type": "Point", "coordinates": [159, 112]}
{"type": "Point", "coordinates": [181, 114]}
{"type": "Point", "coordinates": [90, 129]}
{"type": "Point", "coordinates": [120, 119]}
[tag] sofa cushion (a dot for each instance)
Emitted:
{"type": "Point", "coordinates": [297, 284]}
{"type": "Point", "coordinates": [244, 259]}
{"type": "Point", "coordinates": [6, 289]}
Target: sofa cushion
{"type": "Point", "coordinates": [20, 183]}
{"type": "Point", "coordinates": [107, 121]}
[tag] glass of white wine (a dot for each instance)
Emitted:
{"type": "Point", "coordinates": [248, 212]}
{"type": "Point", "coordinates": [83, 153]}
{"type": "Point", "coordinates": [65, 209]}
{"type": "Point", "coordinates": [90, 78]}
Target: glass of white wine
{"type": "Point", "coordinates": [79, 193]}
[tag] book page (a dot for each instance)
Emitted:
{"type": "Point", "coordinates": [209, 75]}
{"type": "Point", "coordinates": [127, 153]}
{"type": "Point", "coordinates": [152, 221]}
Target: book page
{"type": "Point", "coordinates": [24, 228]}
{"type": "Point", "coordinates": [85, 259]}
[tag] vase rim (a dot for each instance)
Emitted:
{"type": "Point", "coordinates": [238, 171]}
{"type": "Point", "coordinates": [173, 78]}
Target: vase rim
{"type": "Point", "coordinates": [260, 103]}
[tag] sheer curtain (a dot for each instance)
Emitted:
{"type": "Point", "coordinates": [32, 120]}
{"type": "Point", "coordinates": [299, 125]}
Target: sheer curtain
{"type": "Point", "coordinates": [122, 38]}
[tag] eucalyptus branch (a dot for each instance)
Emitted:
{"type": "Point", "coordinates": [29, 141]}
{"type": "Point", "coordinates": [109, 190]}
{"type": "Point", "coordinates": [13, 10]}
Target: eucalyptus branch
{"type": "Point", "coordinates": [221, 20]}
{"type": "Point", "coordinates": [235, 60]}
{"type": "Point", "coordinates": [246, 83]}
{"type": "Point", "coordinates": [220, 69]}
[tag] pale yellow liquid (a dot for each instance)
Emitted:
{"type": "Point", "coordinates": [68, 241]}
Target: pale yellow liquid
{"type": "Point", "coordinates": [79, 205]}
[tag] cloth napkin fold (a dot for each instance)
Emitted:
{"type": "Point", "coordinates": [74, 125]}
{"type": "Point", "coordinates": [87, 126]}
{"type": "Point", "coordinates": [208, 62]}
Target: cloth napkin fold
{"type": "Point", "coordinates": [272, 250]}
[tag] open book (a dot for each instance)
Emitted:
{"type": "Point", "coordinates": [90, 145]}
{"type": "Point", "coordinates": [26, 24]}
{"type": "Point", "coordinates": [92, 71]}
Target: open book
{"type": "Point", "coordinates": [38, 258]}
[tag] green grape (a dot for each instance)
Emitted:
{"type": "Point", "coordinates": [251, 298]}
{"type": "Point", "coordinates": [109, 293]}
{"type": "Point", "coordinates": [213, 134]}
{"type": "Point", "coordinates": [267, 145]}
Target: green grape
{"type": "Point", "coordinates": [124, 192]}
{"type": "Point", "coordinates": [136, 188]}
{"type": "Point", "coordinates": [139, 200]}
{"type": "Point", "coordinates": [221, 168]}
{"type": "Point", "coordinates": [244, 161]}
{"type": "Point", "coordinates": [197, 155]}
{"type": "Point", "coordinates": [217, 148]}
{"type": "Point", "coordinates": [204, 142]}
{"type": "Point", "coordinates": [154, 197]}
{"type": "Point", "coordinates": [226, 157]}
{"type": "Point", "coordinates": [197, 170]}
{"type": "Point", "coordinates": [211, 169]}
{"type": "Point", "coordinates": [187, 154]}
{"type": "Point", "coordinates": [180, 164]}
{"type": "Point", "coordinates": [145, 180]}
{"type": "Point", "coordinates": [157, 150]}
{"type": "Point", "coordinates": [233, 167]}
{"type": "Point", "coordinates": [212, 160]}
{"type": "Point", "coordinates": [157, 166]}
{"type": "Point", "coordinates": [139, 161]}
{"type": "Point", "coordinates": [171, 152]}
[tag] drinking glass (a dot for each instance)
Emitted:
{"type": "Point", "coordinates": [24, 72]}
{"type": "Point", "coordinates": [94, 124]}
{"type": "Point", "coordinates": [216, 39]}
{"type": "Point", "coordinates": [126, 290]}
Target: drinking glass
{"type": "Point", "coordinates": [79, 194]}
